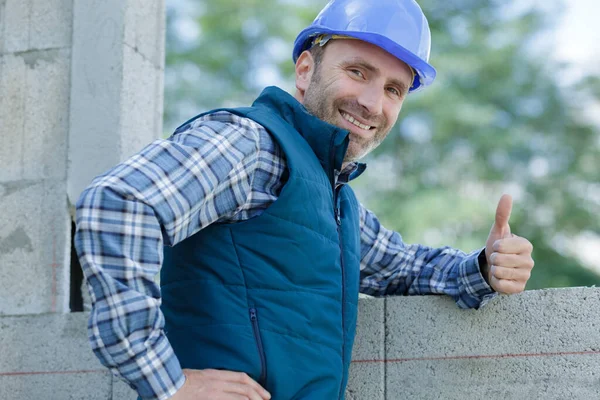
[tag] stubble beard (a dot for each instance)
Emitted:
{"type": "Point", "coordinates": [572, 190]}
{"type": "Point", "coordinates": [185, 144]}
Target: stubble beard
{"type": "Point", "coordinates": [318, 102]}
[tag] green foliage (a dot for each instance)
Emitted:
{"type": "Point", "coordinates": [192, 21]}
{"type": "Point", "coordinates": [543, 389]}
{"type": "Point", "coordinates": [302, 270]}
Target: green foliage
{"type": "Point", "coordinates": [495, 121]}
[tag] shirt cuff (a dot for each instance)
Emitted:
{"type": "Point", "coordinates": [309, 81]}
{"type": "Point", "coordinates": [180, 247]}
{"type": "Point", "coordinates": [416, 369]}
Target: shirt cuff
{"type": "Point", "coordinates": [476, 292]}
{"type": "Point", "coordinates": [156, 374]}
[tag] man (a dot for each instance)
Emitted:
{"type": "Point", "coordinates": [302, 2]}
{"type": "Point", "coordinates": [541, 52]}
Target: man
{"type": "Point", "coordinates": [266, 247]}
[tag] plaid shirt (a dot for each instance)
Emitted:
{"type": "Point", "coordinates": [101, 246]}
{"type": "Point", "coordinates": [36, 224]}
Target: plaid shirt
{"type": "Point", "coordinates": [220, 168]}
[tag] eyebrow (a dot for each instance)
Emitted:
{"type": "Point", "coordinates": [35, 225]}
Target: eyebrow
{"type": "Point", "coordinates": [360, 62]}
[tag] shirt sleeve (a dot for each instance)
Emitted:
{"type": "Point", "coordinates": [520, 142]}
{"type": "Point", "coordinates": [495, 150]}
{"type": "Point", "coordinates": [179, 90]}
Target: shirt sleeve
{"type": "Point", "coordinates": [162, 195]}
{"type": "Point", "coordinates": [391, 267]}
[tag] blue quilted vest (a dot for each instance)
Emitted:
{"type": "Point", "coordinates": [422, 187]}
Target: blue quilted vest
{"type": "Point", "coordinates": [275, 296]}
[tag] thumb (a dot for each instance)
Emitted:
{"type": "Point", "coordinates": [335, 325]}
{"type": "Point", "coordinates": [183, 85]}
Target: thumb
{"type": "Point", "coordinates": [501, 226]}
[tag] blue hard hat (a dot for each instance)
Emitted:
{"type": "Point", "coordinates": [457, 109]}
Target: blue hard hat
{"type": "Point", "coordinates": [397, 26]}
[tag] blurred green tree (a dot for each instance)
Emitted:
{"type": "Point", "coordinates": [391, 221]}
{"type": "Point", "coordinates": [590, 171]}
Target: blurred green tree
{"type": "Point", "coordinates": [498, 119]}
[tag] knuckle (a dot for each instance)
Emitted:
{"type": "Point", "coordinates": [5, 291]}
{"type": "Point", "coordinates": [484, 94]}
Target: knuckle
{"type": "Point", "coordinates": [529, 246]}
{"type": "Point", "coordinates": [494, 271]}
{"type": "Point", "coordinates": [504, 286]}
{"type": "Point", "coordinates": [500, 260]}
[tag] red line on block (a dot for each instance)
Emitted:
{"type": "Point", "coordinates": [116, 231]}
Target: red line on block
{"type": "Point", "coordinates": [83, 371]}
{"type": "Point", "coordinates": [562, 353]}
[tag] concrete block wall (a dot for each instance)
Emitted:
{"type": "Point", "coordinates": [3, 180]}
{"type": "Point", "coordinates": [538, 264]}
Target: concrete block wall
{"type": "Point", "coordinates": [535, 345]}
{"type": "Point", "coordinates": [81, 88]}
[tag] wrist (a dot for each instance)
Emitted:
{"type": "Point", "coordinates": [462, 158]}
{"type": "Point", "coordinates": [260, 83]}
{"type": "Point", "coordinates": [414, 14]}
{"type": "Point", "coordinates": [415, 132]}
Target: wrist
{"type": "Point", "coordinates": [484, 268]}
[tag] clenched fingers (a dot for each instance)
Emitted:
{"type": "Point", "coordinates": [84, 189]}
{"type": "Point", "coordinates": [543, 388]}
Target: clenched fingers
{"type": "Point", "coordinates": [512, 260]}
{"type": "Point", "coordinates": [507, 286]}
{"type": "Point", "coordinates": [513, 245]}
{"type": "Point", "coordinates": [512, 274]}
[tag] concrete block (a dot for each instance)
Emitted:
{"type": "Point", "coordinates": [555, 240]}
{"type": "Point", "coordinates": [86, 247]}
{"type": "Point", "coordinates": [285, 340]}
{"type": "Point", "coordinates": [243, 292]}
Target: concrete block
{"type": "Point", "coordinates": [116, 91]}
{"type": "Point", "coordinates": [141, 117]}
{"type": "Point", "coordinates": [145, 29]}
{"type": "Point", "coordinates": [560, 377]}
{"type": "Point", "coordinates": [34, 247]}
{"type": "Point", "coordinates": [15, 17]}
{"type": "Point", "coordinates": [27, 25]}
{"type": "Point", "coordinates": [48, 357]}
{"type": "Point", "coordinates": [34, 114]}
{"type": "Point", "coordinates": [46, 124]}
{"type": "Point", "coordinates": [367, 379]}
{"type": "Point", "coordinates": [63, 386]}
{"type": "Point", "coordinates": [13, 76]}
{"type": "Point", "coordinates": [122, 391]}
{"type": "Point", "coordinates": [51, 24]}
{"type": "Point", "coordinates": [545, 343]}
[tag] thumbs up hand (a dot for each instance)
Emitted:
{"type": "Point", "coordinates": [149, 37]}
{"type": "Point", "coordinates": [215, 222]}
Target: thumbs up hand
{"type": "Point", "coordinates": [508, 255]}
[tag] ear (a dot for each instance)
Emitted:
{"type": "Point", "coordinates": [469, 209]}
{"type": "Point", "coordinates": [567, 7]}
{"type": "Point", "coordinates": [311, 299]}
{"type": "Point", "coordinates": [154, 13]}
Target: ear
{"type": "Point", "coordinates": [304, 69]}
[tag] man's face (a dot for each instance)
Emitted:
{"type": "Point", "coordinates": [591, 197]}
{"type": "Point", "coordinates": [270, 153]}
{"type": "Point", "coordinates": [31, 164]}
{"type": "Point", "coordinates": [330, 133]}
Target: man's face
{"type": "Point", "coordinates": [358, 87]}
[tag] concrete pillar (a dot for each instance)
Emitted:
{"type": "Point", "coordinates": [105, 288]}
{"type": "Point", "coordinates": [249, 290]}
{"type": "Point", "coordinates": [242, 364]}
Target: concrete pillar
{"type": "Point", "coordinates": [35, 69]}
{"type": "Point", "coordinates": [81, 88]}
{"type": "Point", "coordinates": [117, 84]}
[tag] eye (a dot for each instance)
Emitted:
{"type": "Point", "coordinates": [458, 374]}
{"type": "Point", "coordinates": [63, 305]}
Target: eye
{"type": "Point", "coordinates": [356, 72]}
{"type": "Point", "coordinates": [394, 91]}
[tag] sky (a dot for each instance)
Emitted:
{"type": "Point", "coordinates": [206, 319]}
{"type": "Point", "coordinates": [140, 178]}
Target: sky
{"type": "Point", "coordinates": [578, 38]}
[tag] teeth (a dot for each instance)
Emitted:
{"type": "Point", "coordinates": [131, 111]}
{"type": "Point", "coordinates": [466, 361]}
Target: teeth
{"type": "Point", "coordinates": [351, 119]}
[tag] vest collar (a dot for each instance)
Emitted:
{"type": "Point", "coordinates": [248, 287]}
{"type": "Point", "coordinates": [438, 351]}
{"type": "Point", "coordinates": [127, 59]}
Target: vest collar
{"type": "Point", "coordinates": [328, 142]}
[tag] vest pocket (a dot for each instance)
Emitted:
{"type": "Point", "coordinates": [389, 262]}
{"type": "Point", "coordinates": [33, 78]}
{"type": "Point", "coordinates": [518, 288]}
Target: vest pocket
{"type": "Point", "coordinates": [263, 365]}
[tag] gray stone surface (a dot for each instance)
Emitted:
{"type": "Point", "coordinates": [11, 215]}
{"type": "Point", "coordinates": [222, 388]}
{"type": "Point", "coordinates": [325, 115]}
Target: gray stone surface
{"type": "Point", "coordinates": [538, 344]}
{"type": "Point", "coordinates": [34, 243]}
{"type": "Point", "coordinates": [13, 78]}
{"type": "Point", "coordinates": [46, 343]}
{"type": "Point", "coordinates": [141, 99]}
{"type": "Point", "coordinates": [51, 24]}
{"type": "Point", "coordinates": [34, 114]}
{"type": "Point", "coordinates": [27, 25]}
{"type": "Point", "coordinates": [145, 29]}
{"type": "Point", "coordinates": [49, 357]}
{"type": "Point", "coordinates": [68, 386]}
{"type": "Point", "coordinates": [117, 85]}
{"type": "Point", "coordinates": [122, 391]}
{"type": "Point", "coordinates": [367, 380]}
{"type": "Point", "coordinates": [14, 25]}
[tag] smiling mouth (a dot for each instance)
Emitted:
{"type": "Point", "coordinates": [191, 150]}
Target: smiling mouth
{"type": "Point", "coordinates": [354, 122]}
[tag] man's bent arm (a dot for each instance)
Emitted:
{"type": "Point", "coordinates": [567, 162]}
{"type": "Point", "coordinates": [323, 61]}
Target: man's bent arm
{"type": "Point", "coordinates": [391, 267]}
{"type": "Point", "coordinates": [164, 194]}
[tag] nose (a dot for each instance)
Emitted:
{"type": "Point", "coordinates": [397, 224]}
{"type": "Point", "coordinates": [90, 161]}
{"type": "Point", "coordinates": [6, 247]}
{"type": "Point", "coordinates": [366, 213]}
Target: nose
{"type": "Point", "coordinates": [371, 99]}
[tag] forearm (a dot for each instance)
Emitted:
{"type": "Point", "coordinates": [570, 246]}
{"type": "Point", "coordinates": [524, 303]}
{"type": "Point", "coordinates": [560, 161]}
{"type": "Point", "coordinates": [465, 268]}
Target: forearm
{"type": "Point", "coordinates": [390, 267]}
{"type": "Point", "coordinates": [120, 245]}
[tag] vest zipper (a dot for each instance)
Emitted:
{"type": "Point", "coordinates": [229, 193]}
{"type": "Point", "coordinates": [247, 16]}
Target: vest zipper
{"type": "Point", "coordinates": [263, 365]}
{"type": "Point", "coordinates": [338, 221]}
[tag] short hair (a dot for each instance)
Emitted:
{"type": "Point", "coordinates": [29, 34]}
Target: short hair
{"type": "Point", "coordinates": [317, 52]}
